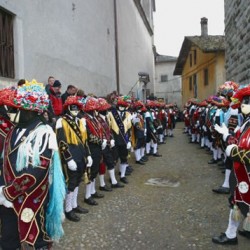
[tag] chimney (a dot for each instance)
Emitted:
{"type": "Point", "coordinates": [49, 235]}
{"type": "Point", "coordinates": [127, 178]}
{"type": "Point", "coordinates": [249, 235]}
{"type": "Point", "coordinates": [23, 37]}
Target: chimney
{"type": "Point", "coordinates": [204, 26]}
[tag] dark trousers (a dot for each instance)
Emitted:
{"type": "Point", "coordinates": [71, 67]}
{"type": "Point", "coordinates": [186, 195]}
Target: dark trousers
{"type": "Point", "coordinates": [96, 154]}
{"type": "Point", "coordinates": [108, 158]}
{"type": "Point", "coordinates": [75, 177]}
{"type": "Point", "coordinates": [122, 153]}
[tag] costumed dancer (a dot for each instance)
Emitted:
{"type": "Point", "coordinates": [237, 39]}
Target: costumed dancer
{"type": "Point", "coordinates": [202, 120]}
{"type": "Point", "coordinates": [107, 155]}
{"type": "Point", "coordinates": [33, 180]}
{"type": "Point", "coordinates": [8, 218]}
{"type": "Point", "coordinates": [218, 118]}
{"type": "Point", "coordinates": [238, 149]}
{"type": "Point", "coordinates": [139, 133]}
{"type": "Point", "coordinates": [193, 119]}
{"type": "Point", "coordinates": [151, 136]}
{"type": "Point", "coordinates": [120, 124]}
{"type": "Point", "coordinates": [96, 142]}
{"type": "Point", "coordinates": [171, 120]}
{"type": "Point", "coordinates": [72, 141]}
{"type": "Point", "coordinates": [233, 121]}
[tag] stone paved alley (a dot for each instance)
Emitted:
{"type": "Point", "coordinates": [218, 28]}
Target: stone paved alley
{"type": "Point", "coordinates": [184, 214]}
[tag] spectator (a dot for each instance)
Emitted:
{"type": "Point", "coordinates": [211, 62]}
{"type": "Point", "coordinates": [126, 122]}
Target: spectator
{"type": "Point", "coordinates": [51, 81]}
{"type": "Point", "coordinates": [80, 92]}
{"type": "Point", "coordinates": [20, 82]}
{"type": "Point", "coordinates": [55, 98]}
{"type": "Point", "coordinates": [71, 90]}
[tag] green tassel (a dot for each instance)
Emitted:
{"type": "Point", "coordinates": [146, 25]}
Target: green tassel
{"type": "Point", "coordinates": [236, 214]}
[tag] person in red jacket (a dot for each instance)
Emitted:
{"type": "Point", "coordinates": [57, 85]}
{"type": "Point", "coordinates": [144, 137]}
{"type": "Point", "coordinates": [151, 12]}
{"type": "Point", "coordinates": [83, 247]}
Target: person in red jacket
{"type": "Point", "coordinates": [55, 98]}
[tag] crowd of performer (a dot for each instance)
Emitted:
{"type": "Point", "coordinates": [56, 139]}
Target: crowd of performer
{"type": "Point", "coordinates": [50, 147]}
{"type": "Point", "coordinates": [220, 124]}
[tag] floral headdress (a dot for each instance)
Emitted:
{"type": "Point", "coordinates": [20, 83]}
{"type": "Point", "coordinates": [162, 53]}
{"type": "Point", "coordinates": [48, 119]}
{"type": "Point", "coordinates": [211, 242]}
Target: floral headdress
{"type": "Point", "coordinates": [29, 96]}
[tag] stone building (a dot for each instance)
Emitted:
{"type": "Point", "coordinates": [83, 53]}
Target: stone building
{"type": "Point", "coordinates": [97, 45]}
{"type": "Point", "coordinates": [201, 64]}
{"type": "Point", "coordinates": [167, 86]}
{"type": "Point", "coordinates": [237, 40]}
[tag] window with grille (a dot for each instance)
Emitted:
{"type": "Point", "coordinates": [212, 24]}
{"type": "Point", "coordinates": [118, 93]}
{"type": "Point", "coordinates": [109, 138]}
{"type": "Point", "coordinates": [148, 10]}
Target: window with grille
{"type": "Point", "coordinates": [164, 78]}
{"type": "Point", "coordinates": [6, 45]}
{"type": "Point", "coordinates": [190, 60]}
{"type": "Point", "coordinates": [205, 76]}
{"type": "Point", "coordinates": [195, 85]}
{"type": "Point", "coordinates": [190, 83]}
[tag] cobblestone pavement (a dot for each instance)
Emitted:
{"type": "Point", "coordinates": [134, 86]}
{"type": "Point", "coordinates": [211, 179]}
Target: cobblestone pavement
{"type": "Point", "coordinates": [185, 214]}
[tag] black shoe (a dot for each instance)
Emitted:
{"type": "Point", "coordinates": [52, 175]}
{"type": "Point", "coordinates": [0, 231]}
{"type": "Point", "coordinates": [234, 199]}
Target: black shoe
{"type": "Point", "coordinates": [105, 188]}
{"type": "Point", "coordinates": [144, 158]}
{"type": "Point", "coordinates": [72, 216]}
{"type": "Point", "coordinates": [223, 240]}
{"type": "Point", "coordinates": [221, 190]}
{"type": "Point", "coordinates": [117, 185]}
{"type": "Point", "coordinates": [244, 233]}
{"type": "Point", "coordinates": [97, 195]}
{"type": "Point", "coordinates": [80, 210]}
{"type": "Point", "coordinates": [129, 169]}
{"type": "Point", "coordinates": [124, 180]}
{"type": "Point", "coordinates": [90, 201]}
{"type": "Point", "coordinates": [212, 161]}
{"type": "Point", "coordinates": [157, 155]}
{"type": "Point", "coordinates": [140, 162]}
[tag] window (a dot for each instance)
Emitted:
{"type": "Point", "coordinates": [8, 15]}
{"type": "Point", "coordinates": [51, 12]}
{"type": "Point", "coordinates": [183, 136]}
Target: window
{"type": "Point", "coordinates": [164, 78]}
{"type": "Point", "coordinates": [195, 55]}
{"type": "Point", "coordinates": [195, 85]}
{"type": "Point", "coordinates": [190, 83]}
{"type": "Point", "coordinates": [205, 76]}
{"type": "Point", "coordinates": [190, 59]}
{"type": "Point", "coordinates": [6, 45]}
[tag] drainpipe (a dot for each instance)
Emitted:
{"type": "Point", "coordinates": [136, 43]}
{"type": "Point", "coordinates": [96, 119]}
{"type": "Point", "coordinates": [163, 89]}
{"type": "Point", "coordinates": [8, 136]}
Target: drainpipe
{"type": "Point", "coordinates": [116, 50]}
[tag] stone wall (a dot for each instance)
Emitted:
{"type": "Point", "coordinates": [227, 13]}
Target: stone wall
{"type": "Point", "coordinates": [237, 36]}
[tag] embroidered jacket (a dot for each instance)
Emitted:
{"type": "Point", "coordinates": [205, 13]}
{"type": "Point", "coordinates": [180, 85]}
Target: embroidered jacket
{"type": "Point", "coordinates": [27, 187]}
{"type": "Point", "coordinates": [240, 154]}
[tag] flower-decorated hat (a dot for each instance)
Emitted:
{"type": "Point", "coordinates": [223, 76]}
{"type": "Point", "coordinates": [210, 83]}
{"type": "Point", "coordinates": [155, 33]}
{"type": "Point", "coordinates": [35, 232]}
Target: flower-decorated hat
{"type": "Point", "coordinates": [138, 104]}
{"type": "Point", "coordinates": [103, 104]}
{"type": "Point", "coordinates": [220, 101]}
{"type": "Point", "coordinates": [73, 100]}
{"type": "Point", "coordinates": [123, 101]}
{"type": "Point", "coordinates": [150, 104]}
{"type": "Point", "coordinates": [228, 88]}
{"type": "Point", "coordinates": [90, 104]}
{"type": "Point", "coordinates": [29, 96]}
{"type": "Point", "coordinates": [203, 103]}
{"type": "Point", "coordinates": [239, 95]}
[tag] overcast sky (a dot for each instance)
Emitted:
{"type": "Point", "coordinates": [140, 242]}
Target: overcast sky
{"type": "Point", "coordinates": [175, 19]}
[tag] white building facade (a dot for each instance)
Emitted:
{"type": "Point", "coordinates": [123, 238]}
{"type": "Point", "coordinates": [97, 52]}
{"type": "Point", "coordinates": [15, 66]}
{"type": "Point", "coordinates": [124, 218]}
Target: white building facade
{"type": "Point", "coordinates": [167, 86]}
{"type": "Point", "coordinates": [97, 45]}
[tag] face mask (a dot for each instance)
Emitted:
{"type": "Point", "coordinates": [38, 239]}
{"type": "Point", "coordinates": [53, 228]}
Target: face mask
{"type": "Point", "coordinates": [245, 109]}
{"type": "Point", "coordinates": [121, 108]}
{"type": "Point", "coordinates": [95, 113]}
{"type": "Point", "coordinates": [74, 110]}
{"type": "Point", "coordinates": [245, 105]}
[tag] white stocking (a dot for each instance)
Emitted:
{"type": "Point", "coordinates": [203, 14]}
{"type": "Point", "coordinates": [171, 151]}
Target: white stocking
{"type": "Point", "coordinates": [232, 227]}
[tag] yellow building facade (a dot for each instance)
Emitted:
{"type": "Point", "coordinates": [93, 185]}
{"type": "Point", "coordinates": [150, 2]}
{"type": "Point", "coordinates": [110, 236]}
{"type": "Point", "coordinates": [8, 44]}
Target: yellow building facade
{"type": "Point", "coordinates": [202, 74]}
{"type": "Point", "coordinates": [201, 64]}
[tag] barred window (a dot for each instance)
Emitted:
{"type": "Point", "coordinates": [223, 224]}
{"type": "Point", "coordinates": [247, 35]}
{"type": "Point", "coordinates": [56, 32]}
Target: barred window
{"type": "Point", "coordinates": [6, 45]}
{"type": "Point", "coordinates": [205, 76]}
{"type": "Point", "coordinates": [164, 78]}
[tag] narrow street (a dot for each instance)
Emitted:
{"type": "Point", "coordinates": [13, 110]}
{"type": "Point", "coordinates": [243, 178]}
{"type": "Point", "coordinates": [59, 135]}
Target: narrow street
{"type": "Point", "coordinates": [183, 213]}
